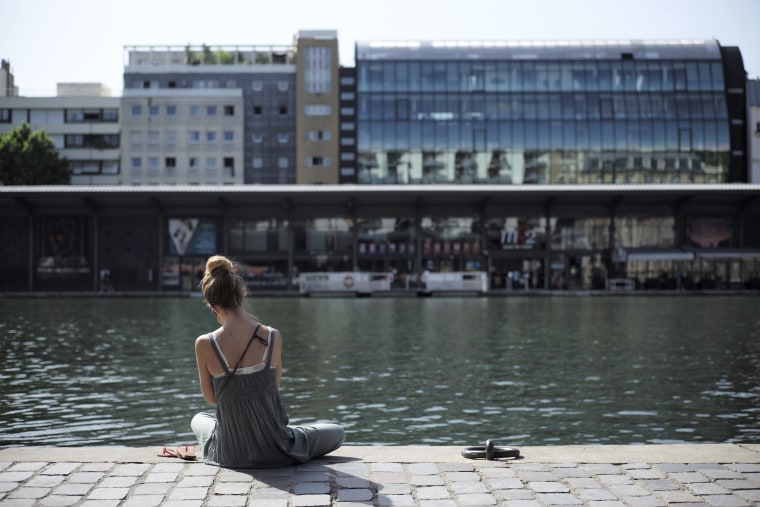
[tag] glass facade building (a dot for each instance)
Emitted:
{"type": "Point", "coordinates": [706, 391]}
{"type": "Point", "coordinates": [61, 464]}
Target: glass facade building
{"type": "Point", "coordinates": [549, 113]}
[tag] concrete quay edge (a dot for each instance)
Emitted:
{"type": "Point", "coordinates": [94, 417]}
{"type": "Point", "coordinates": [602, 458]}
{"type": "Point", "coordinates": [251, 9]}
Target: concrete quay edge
{"type": "Point", "coordinates": [612, 454]}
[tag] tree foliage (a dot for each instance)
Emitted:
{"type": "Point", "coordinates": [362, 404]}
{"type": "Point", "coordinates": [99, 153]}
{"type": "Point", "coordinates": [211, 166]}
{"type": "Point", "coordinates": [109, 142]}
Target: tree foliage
{"type": "Point", "coordinates": [30, 158]}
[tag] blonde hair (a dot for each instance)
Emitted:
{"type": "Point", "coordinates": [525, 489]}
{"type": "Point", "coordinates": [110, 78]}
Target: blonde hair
{"type": "Point", "coordinates": [221, 285]}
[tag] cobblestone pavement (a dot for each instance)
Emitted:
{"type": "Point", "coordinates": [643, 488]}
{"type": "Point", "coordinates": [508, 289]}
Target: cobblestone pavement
{"type": "Point", "coordinates": [419, 476]}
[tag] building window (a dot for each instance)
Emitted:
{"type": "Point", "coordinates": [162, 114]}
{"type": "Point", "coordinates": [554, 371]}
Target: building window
{"type": "Point", "coordinates": [110, 115]}
{"type": "Point", "coordinates": [229, 110]}
{"type": "Point", "coordinates": [282, 162]}
{"type": "Point", "coordinates": [347, 141]}
{"type": "Point", "coordinates": [257, 138]}
{"type": "Point", "coordinates": [193, 137]}
{"type": "Point", "coordinates": [170, 162]}
{"type": "Point", "coordinates": [257, 110]}
{"type": "Point", "coordinates": [210, 137]}
{"type": "Point", "coordinates": [228, 136]}
{"type": "Point", "coordinates": [257, 86]}
{"type": "Point", "coordinates": [211, 163]}
{"type": "Point", "coordinates": [347, 111]}
{"type": "Point", "coordinates": [348, 156]}
{"type": "Point", "coordinates": [318, 135]}
{"type": "Point", "coordinates": [347, 80]}
{"type": "Point", "coordinates": [349, 125]}
{"type": "Point", "coordinates": [171, 136]}
{"type": "Point", "coordinates": [282, 138]}
{"type": "Point", "coordinates": [193, 163]}
{"type": "Point", "coordinates": [195, 111]}
{"type": "Point", "coordinates": [283, 110]}
{"type": "Point", "coordinates": [136, 111]}
{"type": "Point", "coordinates": [347, 96]}
{"type": "Point", "coordinates": [317, 110]}
{"type": "Point", "coordinates": [229, 163]}
{"type": "Point", "coordinates": [171, 111]}
{"type": "Point", "coordinates": [6, 115]}
{"type": "Point", "coordinates": [282, 86]}
{"type": "Point", "coordinates": [317, 69]}
{"type": "Point", "coordinates": [135, 163]}
{"type": "Point", "coordinates": [153, 163]}
{"type": "Point", "coordinates": [257, 162]}
{"type": "Point", "coordinates": [135, 137]}
{"type": "Point", "coordinates": [210, 110]}
{"type": "Point", "coordinates": [153, 110]}
{"type": "Point", "coordinates": [317, 161]}
{"type": "Point", "coordinates": [153, 137]}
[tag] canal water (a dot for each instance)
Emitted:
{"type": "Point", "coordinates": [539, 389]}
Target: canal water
{"type": "Point", "coordinates": [430, 371]}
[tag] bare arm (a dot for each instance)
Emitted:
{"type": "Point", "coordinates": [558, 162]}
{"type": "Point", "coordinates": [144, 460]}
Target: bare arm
{"type": "Point", "coordinates": [202, 353]}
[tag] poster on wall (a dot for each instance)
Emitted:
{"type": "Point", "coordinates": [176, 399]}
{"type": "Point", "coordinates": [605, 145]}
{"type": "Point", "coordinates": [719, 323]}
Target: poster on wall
{"type": "Point", "coordinates": [192, 236]}
{"type": "Point", "coordinates": [709, 232]}
{"type": "Point", "coordinates": [64, 248]}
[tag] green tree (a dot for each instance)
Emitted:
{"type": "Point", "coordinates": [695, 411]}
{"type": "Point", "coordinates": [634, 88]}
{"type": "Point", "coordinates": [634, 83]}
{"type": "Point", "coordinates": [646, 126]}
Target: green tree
{"type": "Point", "coordinates": [31, 158]}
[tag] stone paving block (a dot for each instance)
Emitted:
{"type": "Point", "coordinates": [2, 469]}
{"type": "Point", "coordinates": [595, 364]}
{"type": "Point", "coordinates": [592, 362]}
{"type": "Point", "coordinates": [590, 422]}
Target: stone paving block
{"type": "Point", "coordinates": [26, 466]}
{"type": "Point", "coordinates": [310, 500]}
{"type": "Point", "coordinates": [571, 472]}
{"type": "Point", "coordinates": [589, 495]}
{"type": "Point", "coordinates": [386, 500]}
{"type": "Point", "coordinates": [658, 484]}
{"type": "Point", "coordinates": [5, 464]}
{"type": "Point", "coordinates": [531, 467]}
{"type": "Point", "coordinates": [496, 472]}
{"type": "Point", "coordinates": [434, 503]}
{"type": "Point", "coordinates": [602, 469]}
{"type": "Point", "coordinates": [108, 494]}
{"type": "Point", "coordinates": [313, 477]}
{"type": "Point", "coordinates": [60, 468]}
{"type": "Point", "coordinates": [653, 501]}
{"type": "Point", "coordinates": [628, 490]}
{"type": "Point", "coordinates": [268, 502]}
{"type": "Point", "coordinates": [468, 487]}
{"type": "Point", "coordinates": [143, 501]}
{"type": "Point", "coordinates": [59, 500]}
{"type": "Point", "coordinates": [26, 492]}
{"type": "Point", "coordinates": [673, 467]}
{"type": "Point", "coordinates": [456, 467]}
{"type": "Point", "coordinates": [161, 477]}
{"type": "Point", "coordinates": [352, 482]}
{"type": "Point", "coordinates": [227, 501]}
{"type": "Point", "coordinates": [646, 473]}
{"type": "Point", "coordinates": [523, 503]}
{"type": "Point", "coordinates": [118, 482]}
{"type": "Point", "coordinates": [196, 481]}
{"type": "Point", "coordinates": [583, 482]}
{"type": "Point", "coordinates": [558, 499]}
{"type": "Point", "coordinates": [423, 469]}
{"type": "Point", "coordinates": [679, 496]}
{"type": "Point", "coordinates": [635, 466]}
{"type": "Point", "coordinates": [688, 477]}
{"type": "Point", "coordinates": [726, 501]}
{"type": "Point", "coordinates": [476, 500]}
{"type": "Point", "coordinates": [432, 493]}
{"type": "Point", "coordinates": [8, 486]}
{"type": "Point", "coordinates": [15, 476]}
{"type": "Point", "coordinates": [737, 484]}
{"type": "Point", "coordinates": [462, 476]}
{"type": "Point", "coordinates": [232, 488]}
{"type": "Point", "coordinates": [130, 469]}
{"type": "Point", "coordinates": [707, 488]}
{"type": "Point", "coordinates": [388, 477]}
{"type": "Point", "coordinates": [269, 493]}
{"type": "Point", "coordinates": [548, 487]}
{"type": "Point", "coordinates": [355, 495]}
{"type": "Point", "coordinates": [531, 476]}
{"type": "Point", "coordinates": [45, 481]}
{"type": "Point", "coordinates": [201, 469]}
{"type": "Point", "coordinates": [103, 503]}
{"type": "Point", "coordinates": [614, 479]}
{"type": "Point", "coordinates": [96, 467]}
{"type": "Point", "coordinates": [182, 503]}
{"type": "Point", "coordinates": [188, 494]}
{"type": "Point", "coordinates": [739, 467]}
{"type": "Point", "coordinates": [504, 483]}
{"type": "Point", "coordinates": [426, 480]}
{"type": "Point", "coordinates": [167, 467]}
{"type": "Point", "coordinates": [85, 477]}
{"type": "Point", "coordinates": [153, 488]}
{"type": "Point", "coordinates": [76, 489]}
{"type": "Point", "coordinates": [227, 475]}
{"type": "Point", "coordinates": [722, 473]}
{"type": "Point", "coordinates": [311, 488]}
{"type": "Point", "coordinates": [752, 495]}
{"type": "Point", "coordinates": [394, 489]}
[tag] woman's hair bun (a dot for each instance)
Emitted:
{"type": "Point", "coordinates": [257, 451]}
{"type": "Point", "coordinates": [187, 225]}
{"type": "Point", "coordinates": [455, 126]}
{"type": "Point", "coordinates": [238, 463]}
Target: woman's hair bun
{"type": "Point", "coordinates": [218, 265]}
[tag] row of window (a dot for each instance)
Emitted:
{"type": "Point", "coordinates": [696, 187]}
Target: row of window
{"type": "Point", "coordinates": [193, 163]}
{"type": "Point", "coordinates": [256, 86]}
{"type": "Point", "coordinates": [92, 141]}
{"type": "Point", "coordinates": [568, 75]}
{"type": "Point", "coordinates": [91, 115]}
{"type": "Point", "coordinates": [543, 106]}
{"type": "Point", "coordinates": [639, 135]}
{"type": "Point", "coordinates": [227, 137]}
{"type": "Point", "coordinates": [170, 110]}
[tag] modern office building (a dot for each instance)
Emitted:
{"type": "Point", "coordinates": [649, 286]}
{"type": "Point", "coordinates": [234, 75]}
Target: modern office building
{"type": "Point", "coordinates": [83, 126]}
{"type": "Point", "coordinates": [753, 114]}
{"type": "Point", "coordinates": [560, 112]}
{"type": "Point", "coordinates": [7, 85]}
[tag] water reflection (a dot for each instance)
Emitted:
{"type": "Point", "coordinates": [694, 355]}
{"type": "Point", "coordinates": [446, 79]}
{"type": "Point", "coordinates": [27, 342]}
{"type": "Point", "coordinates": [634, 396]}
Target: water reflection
{"type": "Point", "coordinates": [524, 371]}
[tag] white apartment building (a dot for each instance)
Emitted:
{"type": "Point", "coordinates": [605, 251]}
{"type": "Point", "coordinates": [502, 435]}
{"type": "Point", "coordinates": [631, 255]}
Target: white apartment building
{"type": "Point", "coordinates": [182, 136]}
{"type": "Point", "coordinates": [84, 129]}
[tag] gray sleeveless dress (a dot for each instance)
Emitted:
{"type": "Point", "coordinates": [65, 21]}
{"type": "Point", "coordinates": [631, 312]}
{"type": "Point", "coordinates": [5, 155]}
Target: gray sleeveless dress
{"type": "Point", "coordinates": [252, 426]}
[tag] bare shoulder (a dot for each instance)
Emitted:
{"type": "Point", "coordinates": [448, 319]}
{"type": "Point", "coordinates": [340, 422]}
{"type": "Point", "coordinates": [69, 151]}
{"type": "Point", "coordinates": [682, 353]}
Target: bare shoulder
{"type": "Point", "coordinates": [202, 341]}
